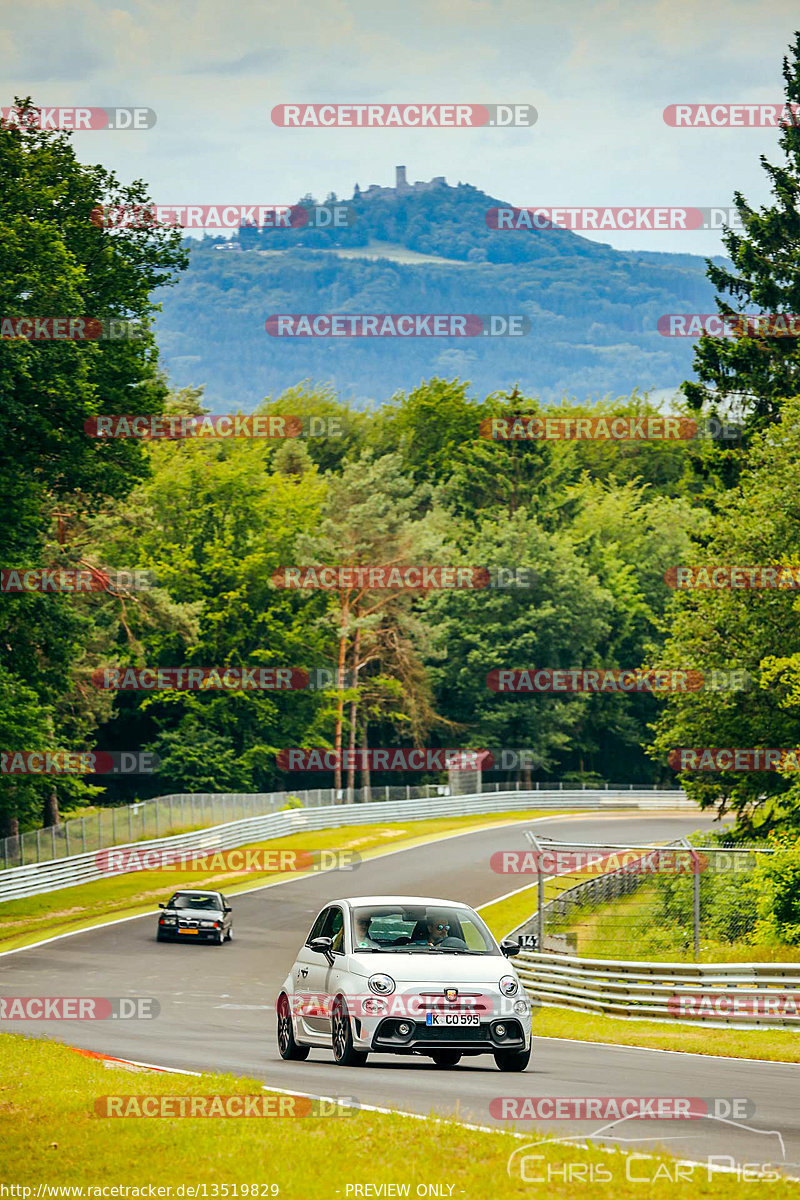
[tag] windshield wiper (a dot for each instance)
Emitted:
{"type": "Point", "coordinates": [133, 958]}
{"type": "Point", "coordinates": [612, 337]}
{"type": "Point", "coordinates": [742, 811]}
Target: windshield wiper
{"type": "Point", "coordinates": [433, 950]}
{"type": "Point", "coordinates": [450, 950]}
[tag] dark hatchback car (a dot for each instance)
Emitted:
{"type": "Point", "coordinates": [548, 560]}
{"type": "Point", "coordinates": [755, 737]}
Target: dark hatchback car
{"type": "Point", "coordinates": [195, 916]}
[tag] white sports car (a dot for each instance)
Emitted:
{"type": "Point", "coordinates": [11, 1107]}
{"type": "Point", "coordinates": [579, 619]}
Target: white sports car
{"type": "Point", "coordinates": [404, 975]}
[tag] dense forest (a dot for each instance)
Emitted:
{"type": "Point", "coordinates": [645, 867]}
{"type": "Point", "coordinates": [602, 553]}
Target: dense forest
{"type": "Point", "coordinates": [599, 525]}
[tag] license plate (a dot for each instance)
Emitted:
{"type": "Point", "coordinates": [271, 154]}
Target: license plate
{"type": "Point", "coordinates": [188, 931]}
{"type": "Point", "coordinates": [454, 1018]}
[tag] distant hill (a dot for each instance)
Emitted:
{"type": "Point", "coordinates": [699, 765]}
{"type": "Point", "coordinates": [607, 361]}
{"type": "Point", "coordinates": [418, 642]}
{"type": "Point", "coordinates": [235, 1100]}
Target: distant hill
{"type": "Point", "coordinates": [593, 309]}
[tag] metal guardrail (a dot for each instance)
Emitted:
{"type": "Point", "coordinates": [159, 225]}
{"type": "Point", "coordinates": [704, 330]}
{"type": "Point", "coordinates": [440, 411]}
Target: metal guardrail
{"type": "Point", "coordinates": [705, 994]}
{"type": "Point", "coordinates": [164, 816]}
{"type": "Point", "coordinates": [36, 878]}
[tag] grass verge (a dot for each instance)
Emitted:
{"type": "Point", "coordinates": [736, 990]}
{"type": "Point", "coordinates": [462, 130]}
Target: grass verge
{"type": "Point", "coordinates": [71, 909]}
{"type": "Point", "coordinates": [52, 1135]}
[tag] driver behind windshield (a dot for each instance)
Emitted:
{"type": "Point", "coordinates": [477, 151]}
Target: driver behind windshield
{"type": "Point", "coordinates": [435, 930]}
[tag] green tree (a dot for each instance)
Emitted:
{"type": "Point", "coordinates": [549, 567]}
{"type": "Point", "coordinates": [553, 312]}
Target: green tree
{"type": "Point", "coordinates": [55, 261]}
{"type": "Point", "coordinates": [755, 630]}
{"type": "Point", "coordinates": [754, 374]}
{"type": "Point", "coordinates": [370, 520]}
{"type": "Point", "coordinates": [557, 621]}
{"type": "Point", "coordinates": [214, 523]}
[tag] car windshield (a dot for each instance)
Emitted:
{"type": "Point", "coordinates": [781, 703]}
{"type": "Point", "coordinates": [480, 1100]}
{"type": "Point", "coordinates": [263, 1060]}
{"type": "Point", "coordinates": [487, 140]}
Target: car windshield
{"type": "Point", "coordinates": [420, 929]}
{"type": "Point", "coordinates": [197, 903]}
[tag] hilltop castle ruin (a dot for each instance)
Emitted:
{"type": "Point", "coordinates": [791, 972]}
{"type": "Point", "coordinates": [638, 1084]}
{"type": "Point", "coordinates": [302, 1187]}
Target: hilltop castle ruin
{"type": "Point", "coordinates": [402, 185]}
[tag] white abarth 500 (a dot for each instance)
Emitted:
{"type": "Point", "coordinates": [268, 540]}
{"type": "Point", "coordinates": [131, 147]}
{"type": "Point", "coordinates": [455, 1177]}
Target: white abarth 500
{"type": "Point", "coordinates": [404, 975]}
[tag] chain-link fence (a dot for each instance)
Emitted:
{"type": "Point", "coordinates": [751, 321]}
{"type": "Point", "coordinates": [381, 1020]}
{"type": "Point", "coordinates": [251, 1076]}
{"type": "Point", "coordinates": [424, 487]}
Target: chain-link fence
{"type": "Point", "coordinates": [180, 813]}
{"type": "Point", "coordinates": [682, 901]}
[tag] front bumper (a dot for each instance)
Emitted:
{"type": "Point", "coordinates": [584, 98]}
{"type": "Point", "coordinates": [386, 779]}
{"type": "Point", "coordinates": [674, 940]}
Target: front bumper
{"type": "Point", "coordinates": [483, 1038]}
{"type": "Point", "coordinates": [175, 934]}
{"type": "Point", "coordinates": [408, 1005]}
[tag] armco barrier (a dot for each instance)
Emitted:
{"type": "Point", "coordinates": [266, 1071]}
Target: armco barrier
{"type": "Point", "coordinates": [666, 991]}
{"type": "Point", "coordinates": [35, 878]}
{"type": "Point", "coordinates": [165, 816]}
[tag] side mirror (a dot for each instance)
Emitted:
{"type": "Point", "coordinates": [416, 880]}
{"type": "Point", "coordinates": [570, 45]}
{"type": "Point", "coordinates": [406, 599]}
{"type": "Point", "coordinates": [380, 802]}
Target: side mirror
{"type": "Point", "coordinates": [228, 908]}
{"type": "Point", "coordinates": [322, 945]}
{"type": "Point", "coordinates": [162, 906]}
{"type": "Point", "coordinates": [510, 948]}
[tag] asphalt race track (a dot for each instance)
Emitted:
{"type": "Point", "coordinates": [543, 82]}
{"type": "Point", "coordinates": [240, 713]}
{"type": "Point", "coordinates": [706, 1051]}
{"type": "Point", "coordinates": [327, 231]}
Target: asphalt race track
{"type": "Point", "coordinates": [218, 1007]}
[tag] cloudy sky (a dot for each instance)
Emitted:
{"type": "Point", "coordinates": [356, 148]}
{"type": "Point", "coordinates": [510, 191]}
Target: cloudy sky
{"type": "Point", "coordinates": [599, 74]}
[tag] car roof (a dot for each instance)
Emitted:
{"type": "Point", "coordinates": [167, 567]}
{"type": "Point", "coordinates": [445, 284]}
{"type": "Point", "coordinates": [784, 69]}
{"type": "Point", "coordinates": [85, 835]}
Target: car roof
{"type": "Point", "coordinates": [358, 901]}
{"type": "Point", "coordinates": [194, 892]}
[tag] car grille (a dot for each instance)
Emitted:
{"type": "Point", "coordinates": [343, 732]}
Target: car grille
{"type": "Point", "coordinates": [471, 1002]}
{"type": "Point", "coordinates": [450, 1033]}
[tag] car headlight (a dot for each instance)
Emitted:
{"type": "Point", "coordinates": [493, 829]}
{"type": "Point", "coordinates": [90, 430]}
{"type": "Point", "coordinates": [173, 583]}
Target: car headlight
{"type": "Point", "coordinates": [168, 920]}
{"type": "Point", "coordinates": [382, 985]}
{"type": "Point", "coordinates": [520, 1007]}
{"type": "Point", "coordinates": [508, 985]}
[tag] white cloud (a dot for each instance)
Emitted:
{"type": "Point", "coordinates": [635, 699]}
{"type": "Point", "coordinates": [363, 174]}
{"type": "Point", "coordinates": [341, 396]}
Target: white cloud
{"type": "Point", "coordinates": [599, 71]}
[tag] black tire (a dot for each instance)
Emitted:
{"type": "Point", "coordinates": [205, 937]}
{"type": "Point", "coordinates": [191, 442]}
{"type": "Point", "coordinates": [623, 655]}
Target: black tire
{"type": "Point", "coordinates": [446, 1058]}
{"type": "Point", "coordinates": [512, 1060]}
{"type": "Point", "coordinates": [287, 1046]}
{"type": "Point", "coordinates": [161, 937]}
{"type": "Point", "coordinates": [344, 1053]}
{"type": "Point", "coordinates": [230, 934]}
